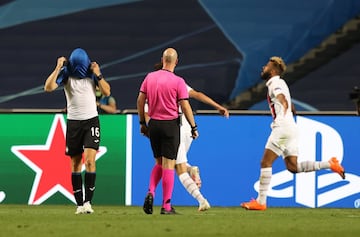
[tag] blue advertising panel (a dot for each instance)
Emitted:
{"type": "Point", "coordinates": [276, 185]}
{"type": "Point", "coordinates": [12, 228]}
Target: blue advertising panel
{"type": "Point", "coordinates": [228, 152]}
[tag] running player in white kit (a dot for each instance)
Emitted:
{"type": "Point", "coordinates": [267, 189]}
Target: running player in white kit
{"type": "Point", "coordinates": [192, 182]}
{"type": "Point", "coordinates": [283, 138]}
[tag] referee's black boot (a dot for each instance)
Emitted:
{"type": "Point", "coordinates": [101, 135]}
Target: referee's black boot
{"type": "Point", "coordinates": [148, 204]}
{"type": "Point", "coordinates": [165, 212]}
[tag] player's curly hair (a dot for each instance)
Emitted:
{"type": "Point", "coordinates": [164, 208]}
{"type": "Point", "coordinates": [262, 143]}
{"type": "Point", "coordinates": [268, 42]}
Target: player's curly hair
{"type": "Point", "coordinates": [279, 64]}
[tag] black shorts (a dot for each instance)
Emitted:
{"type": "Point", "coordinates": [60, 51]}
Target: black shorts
{"type": "Point", "coordinates": [164, 138]}
{"type": "Point", "coordinates": [82, 134]}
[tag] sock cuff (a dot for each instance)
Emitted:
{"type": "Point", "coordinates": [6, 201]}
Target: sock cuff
{"type": "Point", "coordinates": [267, 169]}
{"type": "Point", "coordinates": [184, 176]}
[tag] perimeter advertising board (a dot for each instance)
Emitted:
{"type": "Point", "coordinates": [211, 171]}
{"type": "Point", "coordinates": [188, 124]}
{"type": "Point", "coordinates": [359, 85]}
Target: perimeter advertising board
{"type": "Point", "coordinates": [228, 152]}
{"type": "Point", "coordinates": [34, 169]}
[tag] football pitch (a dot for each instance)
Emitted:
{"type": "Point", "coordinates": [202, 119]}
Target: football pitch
{"type": "Point", "coordinates": [60, 220]}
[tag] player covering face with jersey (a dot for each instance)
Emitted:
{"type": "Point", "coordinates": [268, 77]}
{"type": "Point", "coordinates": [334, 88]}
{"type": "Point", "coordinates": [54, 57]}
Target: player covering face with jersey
{"type": "Point", "coordinates": [79, 77]}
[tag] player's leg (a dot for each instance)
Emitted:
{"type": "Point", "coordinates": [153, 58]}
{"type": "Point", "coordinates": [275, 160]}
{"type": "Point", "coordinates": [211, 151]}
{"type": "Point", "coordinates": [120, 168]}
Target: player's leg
{"type": "Point", "coordinates": [74, 149]}
{"type": "Point", "coordinates": [266, 174]}
{"type": "Point", "coordinates": [185, 143]}
{"type": "Point", "coordinates": [190, 186]}
{"type": "Point", "coordinates": [276, 145]}
{"type": "Point", "coordinates": [308, 166]}
{"type": "Point", "coordinates": [91, 146]}
{"type": "Point", "coordinates": [76, 181]}
{"type": "Point", "coordinates": [271, 153]}
{"type": "Point", "coordinates": [194, 173]}
{"type": "Point", "coordinates": [90, 177]}
{"type": "Point", "coordinates": [182, 170]}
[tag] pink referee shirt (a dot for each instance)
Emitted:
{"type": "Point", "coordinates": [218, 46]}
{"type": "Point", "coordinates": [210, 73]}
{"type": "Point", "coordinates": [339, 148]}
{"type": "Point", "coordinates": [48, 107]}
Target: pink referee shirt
{"type": "Point", "coordinates": [163, 91]}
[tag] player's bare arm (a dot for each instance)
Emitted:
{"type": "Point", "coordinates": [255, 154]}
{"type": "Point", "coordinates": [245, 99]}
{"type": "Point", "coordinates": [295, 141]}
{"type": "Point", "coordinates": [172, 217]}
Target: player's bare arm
{"type": "Point", "coordinates": [50, 83]}
{"type": "Point", "coordinates": [104, 86]}
{"type": "Point", "coordinates": [207, 100]}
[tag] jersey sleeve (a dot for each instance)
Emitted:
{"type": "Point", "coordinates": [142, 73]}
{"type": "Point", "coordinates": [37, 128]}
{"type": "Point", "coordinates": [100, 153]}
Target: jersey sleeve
{"type": "Point", "coordinates": [189, 88]}
{"type": "Point", "coordinates": [277, 88]}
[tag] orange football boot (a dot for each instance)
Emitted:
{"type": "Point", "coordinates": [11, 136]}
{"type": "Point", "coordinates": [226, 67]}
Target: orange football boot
{"type": "Point", "coordinates": [253, 205]}
{"type": "Point", "coordinates": [336, 167]}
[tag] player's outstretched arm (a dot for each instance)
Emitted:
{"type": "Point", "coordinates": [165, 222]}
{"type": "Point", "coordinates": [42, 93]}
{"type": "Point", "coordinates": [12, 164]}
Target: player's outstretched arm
{"type": "Point", "coordinates": [207, 100]}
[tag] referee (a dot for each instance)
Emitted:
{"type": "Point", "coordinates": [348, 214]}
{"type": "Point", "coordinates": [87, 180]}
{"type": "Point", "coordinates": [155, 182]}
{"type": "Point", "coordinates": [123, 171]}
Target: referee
{"type": "Point", "coordinates": [164, 91]}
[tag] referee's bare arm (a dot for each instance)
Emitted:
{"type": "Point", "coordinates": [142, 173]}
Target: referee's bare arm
{"type": "Point", "coordinates": [141, 106]}
{"type": "Point", "coordinates": [141, 112]}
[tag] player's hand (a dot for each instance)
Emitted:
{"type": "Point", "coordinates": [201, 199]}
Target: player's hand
{"type": "Point", "coordinates": [224, 112]}
{"type": "Point", "coordinates": [61, 61]}
{"type": "Point", "coordinates": [95, 68]}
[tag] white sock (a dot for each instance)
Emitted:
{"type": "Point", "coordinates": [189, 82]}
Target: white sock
{"type": "Point", "coordinates": [265, 178]}
{"type": "Point", "coordinates": [191, 186]}
{"type": "Point", "coordinates": [308, 166]}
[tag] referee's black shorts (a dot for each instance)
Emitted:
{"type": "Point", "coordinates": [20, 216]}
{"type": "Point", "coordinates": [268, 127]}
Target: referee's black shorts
{"type": "Point", "coordinates": [164, 138]}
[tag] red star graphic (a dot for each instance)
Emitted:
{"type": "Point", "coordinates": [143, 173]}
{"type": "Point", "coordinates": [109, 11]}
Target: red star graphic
{"type": "Point", "coordinates": [52, 166]}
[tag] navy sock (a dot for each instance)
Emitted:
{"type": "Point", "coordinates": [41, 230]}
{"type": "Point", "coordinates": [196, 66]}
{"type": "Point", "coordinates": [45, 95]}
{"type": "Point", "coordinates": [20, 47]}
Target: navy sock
{"type": "Point", "coordinates": [76, 181]}
{"type": "Point", "coordinates": [89, 185]}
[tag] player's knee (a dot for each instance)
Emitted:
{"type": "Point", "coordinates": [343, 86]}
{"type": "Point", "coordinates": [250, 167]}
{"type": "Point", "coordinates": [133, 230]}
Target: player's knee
{"type": "Point", "coordinates": [265, 163]}
{"type": "Point", "coordinates": [292, 169]}
{"type": "Point", "coordinates": [90, 165]}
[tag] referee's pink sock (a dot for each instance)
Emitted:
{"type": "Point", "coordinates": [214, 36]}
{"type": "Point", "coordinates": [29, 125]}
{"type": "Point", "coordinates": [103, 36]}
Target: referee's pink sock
{"type": "Point", "coordinates": [155, 177]}
{"type": "Point", "coordinates": [168, 186]}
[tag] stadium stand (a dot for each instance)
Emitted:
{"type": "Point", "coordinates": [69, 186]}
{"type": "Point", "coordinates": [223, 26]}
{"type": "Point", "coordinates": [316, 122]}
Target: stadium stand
{"type": "Point", "coordinates": [222, 45]}
{"type": "Point", "coordinates": [289, 29]}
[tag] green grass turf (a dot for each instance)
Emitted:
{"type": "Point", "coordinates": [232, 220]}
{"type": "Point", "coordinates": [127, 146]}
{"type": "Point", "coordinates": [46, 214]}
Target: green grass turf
{"type": "Point", "coordinates": [60, 220]}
